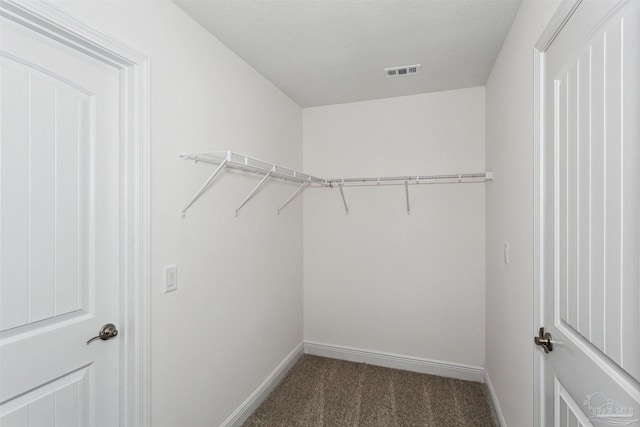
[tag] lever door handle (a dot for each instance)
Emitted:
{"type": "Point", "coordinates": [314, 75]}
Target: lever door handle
{"type": "Point", "coordinates": [107, 332]}
{"type": "Point", "coordinates": [544, 340]}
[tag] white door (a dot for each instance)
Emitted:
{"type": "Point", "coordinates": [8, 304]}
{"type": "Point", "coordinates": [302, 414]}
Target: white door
{"type": "Point", "coordinates": [59, 233]}
{"type": "Point", "coordinates": [591, 217]}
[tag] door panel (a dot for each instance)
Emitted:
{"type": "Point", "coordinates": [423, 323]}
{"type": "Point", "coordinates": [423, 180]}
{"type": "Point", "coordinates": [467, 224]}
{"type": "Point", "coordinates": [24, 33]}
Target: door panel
{"type": "Point", "coordinates": [596, 296]}
{"type": "Point", "coordinates": [58, 403]}
{"type": "Point", "coordinates": [567, 411]}
{"type": "Point", "coordinates": [59, 233]}
{"type": "Point", "coordinates": [592, 216]}
{"type": "Point", "coordinates": [41, 178]}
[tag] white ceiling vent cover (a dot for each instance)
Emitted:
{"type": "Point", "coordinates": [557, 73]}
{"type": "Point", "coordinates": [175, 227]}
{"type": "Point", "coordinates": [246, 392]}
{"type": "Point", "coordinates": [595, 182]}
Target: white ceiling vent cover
{"type": "Point", "coordinates": [404, 70]}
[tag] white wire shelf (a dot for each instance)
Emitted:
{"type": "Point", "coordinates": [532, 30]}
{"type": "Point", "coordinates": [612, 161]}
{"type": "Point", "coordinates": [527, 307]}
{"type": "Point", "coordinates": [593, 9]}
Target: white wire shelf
{"type": "Point", "coordinates": [414, 179]}
{"type": "Point", "coordinates": [250, 164]}
{"type": "Point", "coordinates": [232, 160]}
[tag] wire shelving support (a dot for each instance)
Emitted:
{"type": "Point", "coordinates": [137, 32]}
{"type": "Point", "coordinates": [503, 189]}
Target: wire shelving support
{"type": "Point", "coordinates": [406, 192]}
{"type": "Point", "coordinates": [232, 160]}
{"type": "Point", "coordinates": [295, 193]}
{"type": "Point", "coordinates": [344, 201]}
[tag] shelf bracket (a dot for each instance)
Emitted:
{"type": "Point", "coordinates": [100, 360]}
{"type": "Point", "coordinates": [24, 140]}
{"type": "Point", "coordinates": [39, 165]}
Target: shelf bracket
{"type": "Point", "coordinates": [255, 190]}
{"type": "Point", "coordinates": [295, 193]}
{"type": "Point", "coordinates": [215, 173]}
{"type": "Point", "coordinates": [406, 192]}
{"type": "Point", "coordinates": [346, 208]}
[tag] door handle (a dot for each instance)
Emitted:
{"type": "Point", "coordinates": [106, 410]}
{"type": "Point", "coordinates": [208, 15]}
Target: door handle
{"type": "Point", "coordinates": [107, 332]}
{"type": "Point", "coordinates": [544, 340]}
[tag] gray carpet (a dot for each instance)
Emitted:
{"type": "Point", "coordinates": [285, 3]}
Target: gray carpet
{"type": "Point", "coordinates": [325, 392]}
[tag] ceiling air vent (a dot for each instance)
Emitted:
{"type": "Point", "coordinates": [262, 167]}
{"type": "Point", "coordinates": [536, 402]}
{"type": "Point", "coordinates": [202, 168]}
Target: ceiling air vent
{"type": "Point", "coordinates": [404, 70]}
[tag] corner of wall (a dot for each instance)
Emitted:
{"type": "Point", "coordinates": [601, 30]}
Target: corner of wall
{"type": "Point", "coordinates": [510, 217]}
{"type": "Point", "coordinates": [494, 400]}
{"type": "Point", "coordinates": [244, 411]}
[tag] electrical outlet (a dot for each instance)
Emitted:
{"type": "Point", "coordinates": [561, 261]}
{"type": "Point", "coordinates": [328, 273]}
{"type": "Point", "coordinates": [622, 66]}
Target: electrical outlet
{"type": "Point", "coordinates": [170, 278]}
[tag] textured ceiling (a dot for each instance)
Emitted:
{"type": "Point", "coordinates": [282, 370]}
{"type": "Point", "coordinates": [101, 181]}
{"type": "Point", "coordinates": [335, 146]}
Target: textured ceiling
{"type": "Point", "coordinates": [323, 52]}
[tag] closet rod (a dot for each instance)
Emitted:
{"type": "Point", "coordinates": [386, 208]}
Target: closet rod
{"type": "Point", "coordinates": [414, 179]}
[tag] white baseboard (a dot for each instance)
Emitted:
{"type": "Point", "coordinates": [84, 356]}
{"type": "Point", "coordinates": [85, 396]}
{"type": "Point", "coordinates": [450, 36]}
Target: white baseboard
{"type": "Point", "coordinates": [396, 361]}
{"type": "Point", "coordinates": [243, 412]}
{"type": "Point", "coordinates": [494, 400]}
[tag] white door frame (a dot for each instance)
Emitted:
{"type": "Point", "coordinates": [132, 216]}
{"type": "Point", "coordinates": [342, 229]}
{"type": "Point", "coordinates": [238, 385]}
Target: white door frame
{"type": "Point", "coordinates": [57, 24]}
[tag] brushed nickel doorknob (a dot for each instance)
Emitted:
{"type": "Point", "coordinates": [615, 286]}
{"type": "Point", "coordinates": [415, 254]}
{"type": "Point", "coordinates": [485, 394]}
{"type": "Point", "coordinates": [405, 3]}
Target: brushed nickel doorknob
{"type": "Point", "coordinates": [107, 332]}
{"type": "Point", "coordinates": [544, 340]}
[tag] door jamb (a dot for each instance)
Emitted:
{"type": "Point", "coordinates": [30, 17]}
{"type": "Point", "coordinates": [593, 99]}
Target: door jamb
{"type": "Point", "coordinates": [57, 24]}
{"type": "Point", "coordinates": [565, 10]}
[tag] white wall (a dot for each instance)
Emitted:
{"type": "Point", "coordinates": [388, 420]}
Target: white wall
{"type": "Point", "coordinates": [510, 301]}
{"type": "Point", "coordinates": [380, 279]}
{"type": "Point", "coordinates": [376, 279]}
{"type": "Point", "coordinates": [238, 309]}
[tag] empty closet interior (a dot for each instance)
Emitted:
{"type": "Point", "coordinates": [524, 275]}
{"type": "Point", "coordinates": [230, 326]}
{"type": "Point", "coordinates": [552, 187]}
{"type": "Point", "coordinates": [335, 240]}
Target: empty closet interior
{"type": "Point", "coordinates": [347, 179]}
